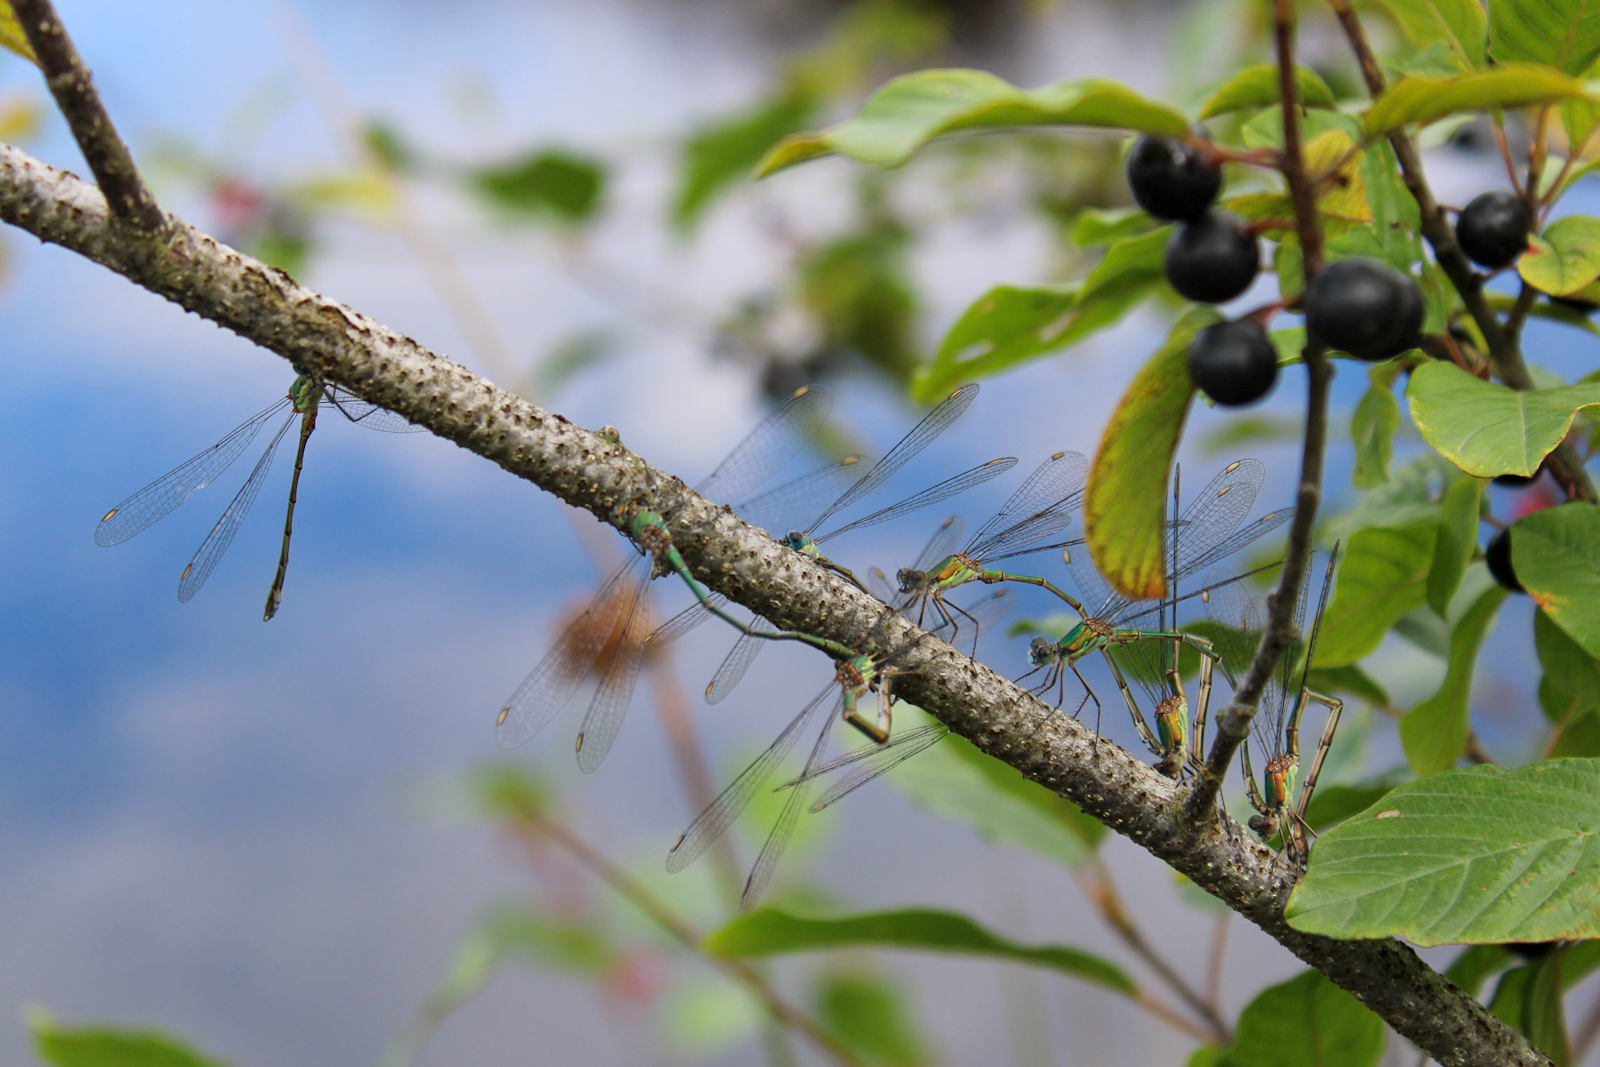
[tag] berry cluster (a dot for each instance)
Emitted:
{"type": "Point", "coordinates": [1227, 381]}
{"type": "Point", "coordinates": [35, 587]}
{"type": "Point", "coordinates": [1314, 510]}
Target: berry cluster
{"type": "Point", "coordinates": [1357, 306]}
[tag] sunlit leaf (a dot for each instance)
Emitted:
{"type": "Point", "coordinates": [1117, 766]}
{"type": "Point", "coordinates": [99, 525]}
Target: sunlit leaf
{"type": "Point", "coordinates": [869, 1013]}
{"type": "Point", "coordinates": [1124, 507]}
{"type": "Point", "coordinates": [1345, 200]}
{"type": "Point", "coordinates": [1571, 682]}
{"type": "Point", "coordinates": [773, 932]}
{"type": "Point", "coordinates": [1434, 733]}
{"type": "Point", "coordinates": [1257, 86]}
{"type": "Point", "coordinates": [1460, 24]}
{"type": "Point", "coordinates": [1478, 855]}
{"type": "Point", "coordinates": [960, 783]}
{"type": "Point", "coordinates": [545, 184]}
{"type": "Point", "coordinates": [1563, 259]}
{"type": "Point", "coordinates": [1097, 226]}
{"type": "Point", "coordinates": [725, 151]}
{"type": "Point", "coordinates": [1382, 576]}
{"type": "Point", "coordinates": [104, 1046]}
{"type": "Point", "coordinates": [1306, 1022]}
{"type": "Point", "coordinates": [1458, 537]}
{"type": "Point", "coordinates": [1489, 429]}
{"type": "Point", "coordinates": [1372, 427]}
{"type": "Point", "coordinates": [1424, 100]}
{"type": "Point", "coordinates": [1564, 34]}
{"type": "Point", "coordinates": [913, 109]}
{"type": "Point", "coordinates": [12, 37]}
{"type": "Point", "coordinates": [1556, 555]}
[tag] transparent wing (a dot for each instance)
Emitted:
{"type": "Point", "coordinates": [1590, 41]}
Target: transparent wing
{"type": "Point", "coordinates": [211, 550]}
{"type": "Point", "coordinates": [792, 505]}
{"type": "Point", "coordinates": [921, 436]}
{"type": "Point", "coordinates": [1241, 621]}
{"type": "Point", "coordinates": [683, 622]}
{"type": "Point", "coordinates": [551, 684]}
{"type": "Point", "coordinates": [1052, 492]}
{"type": "Point", "coordinates": [735, 664]}
{"type": "Point", "coordinates": [603, 721]}
{"type": "Point", "coordinates": [1235, 541]}
{"type": "Point", "coordinates": [158, 498]}
{"type": "Point", "coordinates": [721, 813]}
{"type": "Point", "coordinates": [366, 414]}
{"type": "Point", "coordinates": [769, 446]}
{"type": "Point", "coordinates": [946, 489]}
{"type": "Point", "coordinates": [882, 587]}
{"type": "Point", "coordinates": [778, 839]}
{"type": "Point", "coordinates": [875, 761]}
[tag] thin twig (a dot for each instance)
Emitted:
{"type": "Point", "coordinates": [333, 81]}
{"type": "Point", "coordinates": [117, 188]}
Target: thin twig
{"type": "Point", "coordinates": [1504, 350]}
{"type": "Point", "coordinates": [1214, 957]}
{"type": "Point", "coordinates": [73, 87]}
{"type": "Point", "coordinates": [1233, 726]}
{"type": "Point", "coordinates": [1505, 154]}
{"type": "Point", "coordinates": [1103, 894]}
{"type": "Point", "coordinates": [675, 926]}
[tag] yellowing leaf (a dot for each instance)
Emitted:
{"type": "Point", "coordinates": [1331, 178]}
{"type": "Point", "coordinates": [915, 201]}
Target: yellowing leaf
{"type": "Point", "coordinates": [11, 35]}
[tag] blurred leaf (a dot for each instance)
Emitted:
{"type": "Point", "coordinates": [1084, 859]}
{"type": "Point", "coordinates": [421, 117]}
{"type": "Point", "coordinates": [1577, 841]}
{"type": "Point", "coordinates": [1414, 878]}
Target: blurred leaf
{"type": "Point", "coordinates": [913, 109]}
{"type": "Point", "coordinates": [859, 290]}
{"type": "Point", "coordinates": [1460, 24]}
{"type": "Point", "coordinates": [1010, 326]}
{"type": "Point", "coordinates": [1434, 733]}
{"type": "Point", "coordinates": [1487, 428]}
{"type": "Point", "coordinates": [1478, 855]}
{"type": "Point", "coordinates": [509, 791]}
{"type": "Point", "coordinates": [958, 782]}
{"type": "Point", "coordinates": [1475, 965]}
{"type": "Point", "coordinates": [1257, 86]}
{"type": "Point", "coordinates": [571, 357]}
{"type": "Point", "coordinates": [1349, 680]}
{"type": "Point", "coordinates": [1564, 34]}
{"type": "Point", "coordinates": [1372, 427]}
{"type": "Point", "coordinates": [1381, 578]}
{"type": "Point", "coordinates": [1346, 197]}
{"type": "Point", "coordinates": [104, 1046]}
{"type": "Point", "coordinates": [1124, 508]}
{"type": "Point", "coordinates": [1097, 226]}
{"type": "Point", "coordinates": [1528, 998]}
{"type": "Point", "coordinates": [868, 1013]}
{"type": "Point", "coordinates": [1563, 259]}
{"type": "Point", "coordinates": [21, 116]}
{"type": "Point", "coordinates": [389, 146]}
{"type": "Point", "coordinates": [1250, 428]}
{"type": "Point", "coordinates": [723, 152]}
{"type": "Point", "coordinates": [1424, 100]}
{"type": "Point", "coordinates": [1410, 496]}
{"type": "Point", "coordinates": [1458, 536]}
{"type": "Point", "coordinates": [1306, 1022]}
{"type": "Point", "coordinates": [364, 190]}
{"type": "Point", "coordinates": [1577, 736]}
{"type": "Point", "coordinates": [1571, 682]}
{"type": "Point", "coordinates": [1578, 118]}
{"type": "Point", "coordinates": [1556, 556]}
{"type": "Point", "coordinates": [708, 1016]}
{"type": "Point", "coordinates": [772, 932]}
{"type": "Point", "coordinates": [547, 183]}
{"type": "Point", "coordinates": [12, 37]}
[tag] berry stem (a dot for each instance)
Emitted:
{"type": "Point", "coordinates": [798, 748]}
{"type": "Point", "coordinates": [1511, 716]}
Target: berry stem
{"type": "Point", "coordinates": [1505, 154]}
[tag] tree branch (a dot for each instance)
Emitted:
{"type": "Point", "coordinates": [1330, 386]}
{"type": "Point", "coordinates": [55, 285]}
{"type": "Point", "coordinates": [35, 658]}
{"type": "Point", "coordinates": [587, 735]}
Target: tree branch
{"type": "Point", "coordinates": [1505, 351]}
{"type": "Point", "coordinates": [70, 83]}
{"type": "Point", "coordinates": [341, 345]}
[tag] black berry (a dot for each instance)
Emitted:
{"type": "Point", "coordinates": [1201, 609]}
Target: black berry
{"type": "Point", "coordinates": [1233, 362]}
{"type": "Point", "coordinates": [1212, 259]}
{"type": "Point", "coordinates": [1498, 555]}
{"type": "Point", "coordinates": [1493, 229]}
{"type": "Point", "coordinates": [1364, 308]}
{"type": "Point", "coordinates": [1171, 180]}
{"type": "Point", "coordinates": [1518, 481]}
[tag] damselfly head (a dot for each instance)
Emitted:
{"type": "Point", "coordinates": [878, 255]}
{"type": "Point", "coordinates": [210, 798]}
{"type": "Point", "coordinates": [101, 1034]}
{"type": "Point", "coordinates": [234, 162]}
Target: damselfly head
{"type": "Point", "coordinates": [1039, 652]}
{"type": "Point", "coordinates": [911, 580]}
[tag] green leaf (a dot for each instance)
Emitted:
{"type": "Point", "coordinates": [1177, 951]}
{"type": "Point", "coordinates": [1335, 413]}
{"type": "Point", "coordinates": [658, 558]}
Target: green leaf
{"type": "Point", "coordinates": [1488, 429]}
{"type": "Point", "coordinates": [104, 1046]}
{"type": "Point", "coordinates": [869, 1014]}
{"type": "Point", "coordinates": [1460, 24]}
{"type": "Point", "coordinates": [858, 289]}
{"type": "Point", "coordinates": [1571, 682]}
{"type": "Point", "coordinates": [1564, 34]}
{"type": "Point", "coordinates": [725, 151]}
{"type": "Point", "coordinates": [1332, 804]}
{"type": "Point", "coordinates": [1528, 998]}
{"type": "Point", "coordinates": [706, 1017]}
{"type": "Point", "coordinates": [773, 931]}
{"type": "Point", "coordinates": [1372, 427]}
{"type": "Point", "coordinates": [1578, 736]}
{"type": "Point", "coordinates": [1565, 258]}
{"type": "Point", "coordinates": [1424, 100]}
{"type": "Point", "coordinates": [1306, 1022]}
{"type": "Point", "coordinates": [1257, 86]}
{"type": "Point", "coordinates": [911, 110]}
{"type": "Point", "coordinates": [1556, 556]}
{"type": "Point", "coordinates": [1096, 226]}
{"type": "Point", "coordinates": [546, 184]}
{"type": "Point", "coordinates": [1349, 680]}
{"type": "Point", "coordinates": [1458, 537]}
{"type": "Point", "coordinates": [1382, 577]}
{"type": "Point", "coordinates": [1124, 508]}
{"type": "Point", "coordinates": [1476, 965]}
{"type": "Point", "coordinates": [12, 37]}
{"type": "Point", "coordinates": [1470, 856]}
{"type": "Point", "coordinates": [1434, 733]}
{"type": "Point", "coordinates": [960, 783]}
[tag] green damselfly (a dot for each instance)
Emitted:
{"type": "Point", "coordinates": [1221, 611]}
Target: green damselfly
{"type": "Point", "coordinates": [161, 496]}
{"type": "Point", "coordinates": [1276, 730]}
